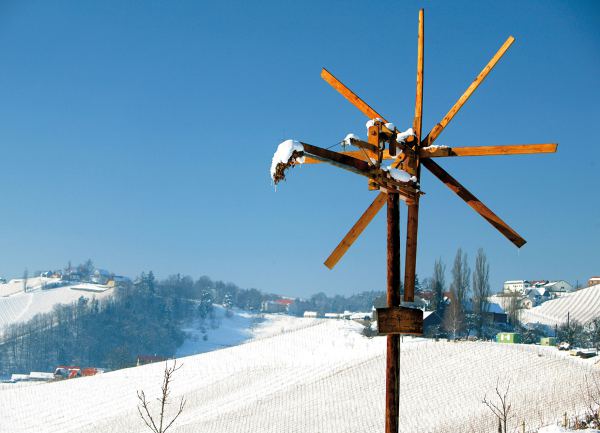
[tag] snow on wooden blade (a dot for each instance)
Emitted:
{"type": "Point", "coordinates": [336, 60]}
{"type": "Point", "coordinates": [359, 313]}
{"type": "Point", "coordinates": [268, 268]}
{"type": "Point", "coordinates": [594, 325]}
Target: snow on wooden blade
{"type": "Point", "coordinates": [402, 136]}
{"type": "Point", "coordinates": [435, 146]}
{"type": "Point", "coordinates": [347, 141]}
{"type": "Point", "coordinates": [372, 122]}
{"type": "Point", "coordinates": [288, 153]}
{"type": "Point", "coordinates": [313, 375]}
{"type": "Point", "coordinates": [399, 174]}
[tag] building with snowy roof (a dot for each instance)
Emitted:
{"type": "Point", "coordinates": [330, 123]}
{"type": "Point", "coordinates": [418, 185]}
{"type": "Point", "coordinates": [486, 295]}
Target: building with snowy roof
{"type": "Point", "coordinates": [593, 281]}
{"type": "Point", "coordinates": [515, 286]}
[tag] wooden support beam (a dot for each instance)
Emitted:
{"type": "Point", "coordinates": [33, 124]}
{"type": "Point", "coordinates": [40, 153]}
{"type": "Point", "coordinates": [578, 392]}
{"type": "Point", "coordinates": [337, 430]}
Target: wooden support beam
{"type": "Point", "coordinates": [392, 370]}
{"type": "Point", "coordinates": [442, 152]}
{"type": "Point", "coordinates": [356, 230]}
{"type": "Point", "coordinates": [349, 95]}
{"type": "Point", "coordinates": [399, 320]}
{"type": "Point", "coordinates": [473, 202]}
{"type": "Point", "coordinates": [339, 159]}
{"type": "Point", "coordinates": [513, 149]}
{"type": "Point", "coordinates": [410, 264]}
{"type": "Point", "coordinates": [365, 145]}
{"type": "Point", "coordinates": [437, 129]}
{"type": "Point", "coordinates": [418, 119]}
{"type": "Point", "coordinates": [358, 154]}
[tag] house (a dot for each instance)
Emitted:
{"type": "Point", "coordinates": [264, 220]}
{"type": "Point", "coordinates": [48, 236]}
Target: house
{"type": "Point", "coordinates": [100, 276]}
{"type": "Point", "coordinates": [526, 303]}
{"type": "Point", "coordinates": [148, 359]}
{"type": "Point", "coordinates": [311, 314]}
{"type": "Point", "coordinates": [593, 281]}
{"type": "Point", "coordinates": [518, 286]}
{"type": "Point", "coordinates": [273, 307]}
{"type": "Point", "coordinates": [119, 281]}
{"type": "Point", "coordinates": [558, 288]}
{"type": "Point", "coordinates": [332, 315]}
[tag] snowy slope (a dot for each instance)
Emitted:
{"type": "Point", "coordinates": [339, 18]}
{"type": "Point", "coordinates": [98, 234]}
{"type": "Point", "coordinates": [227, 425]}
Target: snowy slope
{"type": "Point", "coordinates": [21, 306]}
{"type": "Point", "coordinates": [582, 306]}
{"type": "Point", "coordinates": [16, 285]}
{"type": "Point", "coordinates": [315, 376]}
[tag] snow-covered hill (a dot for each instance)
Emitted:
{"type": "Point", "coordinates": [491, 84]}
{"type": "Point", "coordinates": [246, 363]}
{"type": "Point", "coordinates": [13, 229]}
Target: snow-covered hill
{"type": "Point", "coordinates": [21, 306]}
{"type": "Point", "coordinates": [582, 306]}
{"type": "Point", "coordinates": [309, 375]}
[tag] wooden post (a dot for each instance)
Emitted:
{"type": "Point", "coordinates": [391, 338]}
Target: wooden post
{"type": "Point", "coordinates": [392, 371]}
{"type": "Point", "coordinates": [410, 265]}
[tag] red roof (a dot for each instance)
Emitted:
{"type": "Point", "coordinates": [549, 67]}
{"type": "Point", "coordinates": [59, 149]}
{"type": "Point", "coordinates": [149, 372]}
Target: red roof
{"type": "Point", "coordinates": [284, 301]}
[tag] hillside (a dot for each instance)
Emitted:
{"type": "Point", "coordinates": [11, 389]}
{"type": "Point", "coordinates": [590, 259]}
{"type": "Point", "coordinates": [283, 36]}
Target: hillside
{"type": "Point", "coordinates": [309, 375]}
{"type": "Point", "coordinates": [21, 306]}
{"type": "Point", "coordinates": [582, 306]}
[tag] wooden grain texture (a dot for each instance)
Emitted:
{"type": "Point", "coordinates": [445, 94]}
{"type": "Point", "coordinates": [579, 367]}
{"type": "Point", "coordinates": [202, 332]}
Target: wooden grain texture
{"type": "Point", "coordinates": [356, 230]}
{"type": "Point", "coordinates": [392, 375]}
{"type": "Point", "coordinates": [349, 95]}
{"type": "Point", "coordinates": [512, 149]}
{"type": "Point", "coordinates": [473, 202]}
{"type": "Point", "coordinates": [437, 129]}
{"type": "Point", "coordinates": [399, 320]}
{"type": "Point", "coordinates": [339, 159]}
{"type": "Point", "coordinates": [418, 119]}
{"type": "Point", "coordinates": [358, 154]}
{"type": "Point", "coordinates": [393, 250]}
{"type": "Point", "coordinates": [410, 263]}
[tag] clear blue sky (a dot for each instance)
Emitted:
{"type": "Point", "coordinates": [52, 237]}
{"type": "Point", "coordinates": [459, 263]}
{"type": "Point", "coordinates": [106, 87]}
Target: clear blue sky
{"type": "Point", "coordinates": [140, 134]}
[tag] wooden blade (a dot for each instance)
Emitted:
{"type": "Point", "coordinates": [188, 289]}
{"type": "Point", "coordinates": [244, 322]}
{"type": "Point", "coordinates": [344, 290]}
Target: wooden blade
{"type": "Point", "coordinates": [358, 154]}
{"type": "Point", "coordinates": [437, 129]}
{"type": "Point", "coordinates": [515, 149]}
{"type": "Point", "coordinates": [410, 264]}
{"type": "Point", "coordinates": [338, 159]}
{"type": "Point", "coordinates": [474, 202]}
{"type": "Point", "coordinates": [418, 120]}
{"type": "Point", "coordinates": [350, 95]}
{"type": "Point", "coordinates": [356, 230]}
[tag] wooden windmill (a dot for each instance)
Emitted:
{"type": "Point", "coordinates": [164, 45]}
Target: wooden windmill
{"type": "Point", "coordinates": [401, 180]}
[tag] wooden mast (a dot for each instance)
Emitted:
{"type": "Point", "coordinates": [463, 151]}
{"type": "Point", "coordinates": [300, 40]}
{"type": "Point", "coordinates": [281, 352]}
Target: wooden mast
{"type": "Point", "coordinates": [392, 370]}
{"type": "Point", "coordinates": [412, 221]}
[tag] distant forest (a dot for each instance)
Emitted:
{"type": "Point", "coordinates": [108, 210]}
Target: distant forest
{"type": "Point", "coordinates": [143, 318]}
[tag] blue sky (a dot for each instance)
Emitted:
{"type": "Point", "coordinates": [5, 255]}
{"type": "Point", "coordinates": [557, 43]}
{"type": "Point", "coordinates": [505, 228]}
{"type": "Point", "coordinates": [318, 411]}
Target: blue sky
{"type": "Point", "coordinates": [140, 134]}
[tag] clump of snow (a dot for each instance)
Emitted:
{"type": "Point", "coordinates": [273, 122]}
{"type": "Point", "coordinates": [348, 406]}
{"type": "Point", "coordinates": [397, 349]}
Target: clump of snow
{"type": "Point", "coordinates": [372, 122]}
{"type": "Point", "coordinates": [347, 141]}
{"type": "Point", "coordinates": [288, 153]}
{"type": "Point", "coordinates": [390, 126]}
{"type": "Point", "coordinates": [399, 174]}
{"type": "Point", "coordinates": [402, 136]}
{"type": "Point", "coordinates": [435, 146]}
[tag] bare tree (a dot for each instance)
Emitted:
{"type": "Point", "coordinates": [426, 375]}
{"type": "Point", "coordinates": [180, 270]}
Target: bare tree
{"type": "Point", "coordinates": [160, 425]}
{"type": "Point", "coordinates": [453, 320]}
{"type": "Point", "coordinates": [461, 274]}
{"type": "Point", "coordinates": [481, 287]}
{"type": "Point", "coordinates": [438, 282]}
{"type": "Point", "coordinates": [513, 308]}
{"type": "Point", "coordinates": [500, 407]}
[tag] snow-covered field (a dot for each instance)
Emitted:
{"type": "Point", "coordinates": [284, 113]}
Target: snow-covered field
{"type": "Point", "coordinates": [582, 306]}
{"type": "Point", "coordinates": [16, 285]}
{"type": "Point", "coordinates": [22, 306]}
{"type": "Point", "coordinates": [310, 375]}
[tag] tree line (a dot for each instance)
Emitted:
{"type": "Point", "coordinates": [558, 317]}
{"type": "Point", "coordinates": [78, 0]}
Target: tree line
{"type": "Point", "coordinates": [142, 318]}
